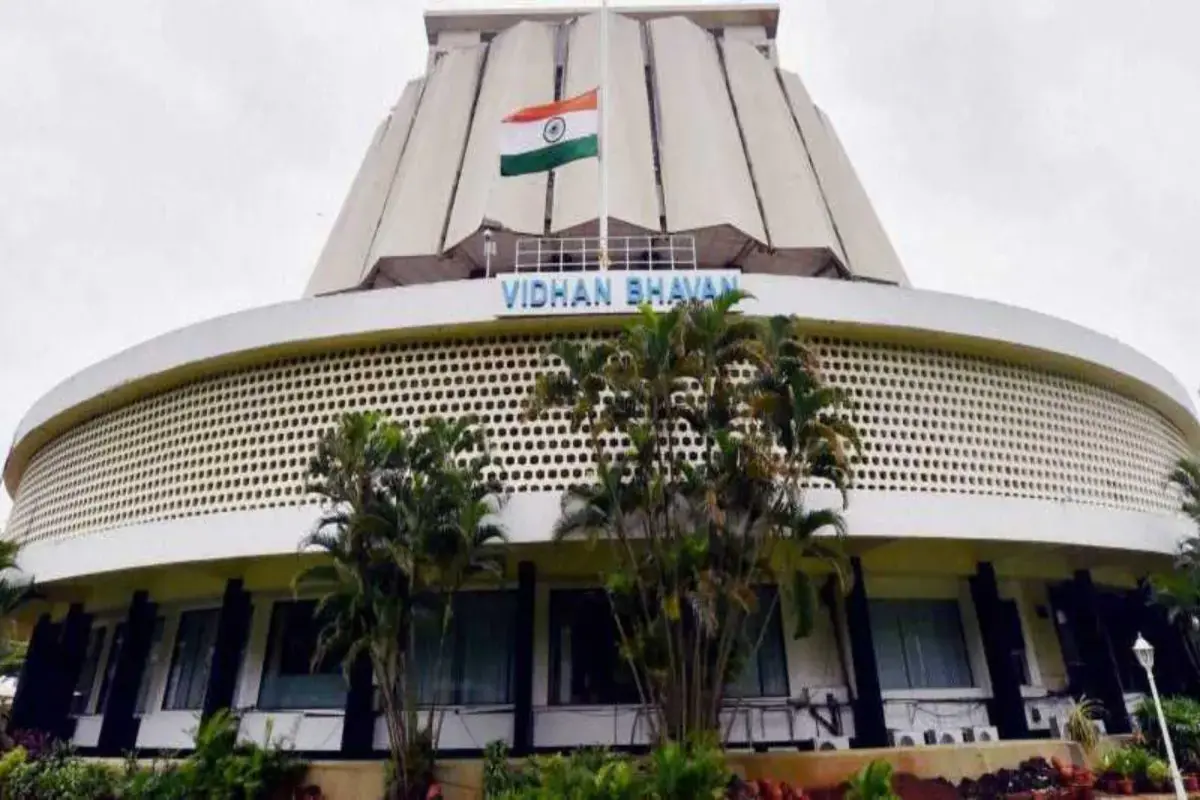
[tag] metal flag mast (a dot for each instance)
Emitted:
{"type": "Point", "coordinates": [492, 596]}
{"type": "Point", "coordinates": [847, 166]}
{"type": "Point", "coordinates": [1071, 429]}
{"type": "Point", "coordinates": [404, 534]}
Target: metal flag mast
{"type": "Point", "coordinates": [603, 165]}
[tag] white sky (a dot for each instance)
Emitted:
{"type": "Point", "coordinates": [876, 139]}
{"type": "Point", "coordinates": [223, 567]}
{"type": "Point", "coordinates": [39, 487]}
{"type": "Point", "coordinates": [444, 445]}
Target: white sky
{"type": "Point", "coordinates": [161, 163]}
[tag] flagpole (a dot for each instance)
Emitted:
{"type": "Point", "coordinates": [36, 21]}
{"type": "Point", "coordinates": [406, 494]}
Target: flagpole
{"type": "Point", "coordinates": [603, 92]}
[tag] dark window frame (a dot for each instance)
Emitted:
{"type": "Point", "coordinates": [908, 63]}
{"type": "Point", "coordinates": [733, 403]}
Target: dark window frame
{"type": "Point", "coordinates": [905, 641]}
{"type": "Point", "coordinates": [332, 665]}
{"type": "Point", "coordinates": [210, 612]}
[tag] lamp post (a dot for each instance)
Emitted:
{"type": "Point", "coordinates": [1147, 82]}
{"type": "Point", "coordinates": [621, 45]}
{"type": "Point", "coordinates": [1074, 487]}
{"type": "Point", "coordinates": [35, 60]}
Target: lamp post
{"type": "Point", "coordinates": [1145, 656]}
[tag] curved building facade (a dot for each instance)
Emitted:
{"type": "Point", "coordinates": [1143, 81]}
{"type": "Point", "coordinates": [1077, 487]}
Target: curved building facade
{"type": "Point", "coordinates": [1010, 495]}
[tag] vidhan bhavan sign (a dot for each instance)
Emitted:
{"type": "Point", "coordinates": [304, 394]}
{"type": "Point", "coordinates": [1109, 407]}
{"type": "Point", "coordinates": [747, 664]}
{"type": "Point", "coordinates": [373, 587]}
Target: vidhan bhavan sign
{"type": "Point", "coordinates": [611, 292]}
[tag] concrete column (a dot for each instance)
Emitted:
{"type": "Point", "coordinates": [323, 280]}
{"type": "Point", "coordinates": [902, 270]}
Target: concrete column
{"type": "Point", "coordinates": [33, 685]}
{"type": "Point", "coordinates": [1096, 651]}
{"type": "Point", "coordinates": [233, 626]}
{"type": "Point", "coordinates": [118, 731]}
{"type": "Point", "coordinates": [72, 650]}
{"type": "Point", "coordinates": [523, 659]}
{"type": "Point", "coordinates": [870, 727]}
{"type": "Point", "coordinates": [358, 723]}
{"type": "Point", "coordinates": [1006, 709]}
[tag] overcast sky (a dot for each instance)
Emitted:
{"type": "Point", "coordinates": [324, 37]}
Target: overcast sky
{"type": "Point", "coordinates": [161, 163]}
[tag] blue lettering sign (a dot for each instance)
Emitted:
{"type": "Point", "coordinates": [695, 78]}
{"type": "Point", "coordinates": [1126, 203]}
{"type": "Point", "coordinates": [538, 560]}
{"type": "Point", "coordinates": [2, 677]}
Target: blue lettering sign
{"type": "Point", "coordinates": [580, 297]}
{"type": "Point", "coordinates": [602, 290]}
{"type": "Point", "coordinates": [633, 291]}
{"type": "Point", "coordinates": [510, 293]}
{"type": "Point", "coordinates": [654, 290]}
{"type": "Point", "coordinates": [558, 291]}
{"type": "Point", "coordinates": [537, 293]}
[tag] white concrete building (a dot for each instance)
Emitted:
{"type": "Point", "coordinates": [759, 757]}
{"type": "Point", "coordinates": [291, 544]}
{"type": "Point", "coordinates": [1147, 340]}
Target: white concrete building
{"type": "Point", "coordinates": [1010, 497]}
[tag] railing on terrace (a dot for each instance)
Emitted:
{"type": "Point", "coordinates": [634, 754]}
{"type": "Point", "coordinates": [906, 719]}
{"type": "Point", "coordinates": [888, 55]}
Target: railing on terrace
{"type": "Point", "coordinates": [625, 253]}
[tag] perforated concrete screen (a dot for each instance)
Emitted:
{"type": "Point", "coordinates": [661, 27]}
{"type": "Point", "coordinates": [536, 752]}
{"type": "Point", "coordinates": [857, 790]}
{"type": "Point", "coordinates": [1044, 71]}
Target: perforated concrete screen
{"type": "Point", "coordinates": [932, 421]}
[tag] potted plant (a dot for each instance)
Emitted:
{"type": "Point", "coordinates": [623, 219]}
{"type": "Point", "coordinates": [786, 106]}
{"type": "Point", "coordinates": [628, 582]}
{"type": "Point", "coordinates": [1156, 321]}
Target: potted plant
{"type": "Point", "coordinates": [1123, 764]}
{"type": "Point", "coordinates": [1191, 783]}
{"type": "Point", "coordinates": [1158, 774]}
{"type": "Point", "coordinates": [872, 782]}
{"type": "Point", "coordinates": [1080, 726]}
{"type": "Point", "coordinates": [1065, 772]}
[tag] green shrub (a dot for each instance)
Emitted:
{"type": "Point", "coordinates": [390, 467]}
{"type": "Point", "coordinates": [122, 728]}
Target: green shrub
{"type": "Point", "coordinates": [681, 772]}
{"type": "Point", "coordinates": [220, 768]}
{"type": "Point", "coordinates": [671, 772]}
{"type": "Point", "coordinates": [10, 762]}
{"type": "Point", "coordinates": [872, 782]}
{"type": "Point", "coordinates": [61, 775]}
{"type": "Point", "coordinates": [1182, 715]}
{"type": "Point", "coordinates": [1158, 772]}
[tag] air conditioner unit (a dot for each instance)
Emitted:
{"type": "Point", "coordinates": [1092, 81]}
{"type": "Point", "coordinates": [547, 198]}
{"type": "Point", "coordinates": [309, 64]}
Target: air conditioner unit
{"type": "Point", "coordinates": [1056, 728]}
{"type": "Point", "coordinates": [981, 733]}
{"type": "Point", "coordinates": [1037, 718]}
{"type": "Point", "coordinates": [827, 743]}
{"type": "Point", "coordinates": [907, 738]}
{"type": "Point", "coordinates": [943, 737]}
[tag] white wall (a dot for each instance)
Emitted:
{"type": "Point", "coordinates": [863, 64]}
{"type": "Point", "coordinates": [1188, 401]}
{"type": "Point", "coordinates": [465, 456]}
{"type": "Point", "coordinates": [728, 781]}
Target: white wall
{"type": "Point", "coordinates": [633, 195]}
{"type": "Point", "coordinates": [343, 260]}
{"type": "Point", "coordinates": [706, 179]}
{"type": "Point", "coordinates": [419, 198]}
{"type": "Point", "coordinates": [520, 72]}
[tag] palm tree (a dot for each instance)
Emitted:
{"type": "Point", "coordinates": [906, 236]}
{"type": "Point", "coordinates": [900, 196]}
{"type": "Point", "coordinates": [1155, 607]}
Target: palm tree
{"type": "Point", "coordinates": [14, 593]}
{"type": "Point", "coordinates": [1178, 591]}
{"type": "Point", "coordinates": [694, 536]}
{"type": "Point", "coordinates": [408, 519]}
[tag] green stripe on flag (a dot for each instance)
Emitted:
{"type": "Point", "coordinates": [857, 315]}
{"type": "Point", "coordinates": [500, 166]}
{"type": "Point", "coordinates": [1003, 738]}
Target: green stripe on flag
{"type": "Point", "coordinates": [550, 157]}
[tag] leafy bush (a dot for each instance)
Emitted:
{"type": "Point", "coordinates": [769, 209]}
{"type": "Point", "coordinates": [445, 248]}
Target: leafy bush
{"type": "Point", "coordinates": [1081, 724]}
{"type": "Point", "coordinates": [220, 764]}
{"type": "Point", "coordinates": [672, 772]}
{"type": "Point", "coordinates": [872, 782]}
{"type": "Point", "coordinates": [220, 768]}
{"type": "Point", "coordinates": [11, 761]}
{"type": "Point", "coordinates": [1182, 715]}
{"type": "Point", "coordinates": [680, 773]}
{"type": "Point", "coordinates": [60, 775]}
{"type": "Point", "coordinates": [1158, 772]}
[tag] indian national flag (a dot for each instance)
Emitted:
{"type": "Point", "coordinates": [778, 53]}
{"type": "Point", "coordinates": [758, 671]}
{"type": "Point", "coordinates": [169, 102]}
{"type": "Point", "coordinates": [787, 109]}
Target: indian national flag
{"type": "Point", "coordinates": [540, 138]}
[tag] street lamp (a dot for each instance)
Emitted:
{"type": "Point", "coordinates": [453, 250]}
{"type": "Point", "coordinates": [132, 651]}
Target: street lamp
{"type": "Point", "coordinates": [1145, 656]}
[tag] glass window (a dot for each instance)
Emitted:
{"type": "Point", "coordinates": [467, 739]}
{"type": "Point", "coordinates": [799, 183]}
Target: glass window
{"type": "Point", "coordinates": [81, 698]}
{"type": "Point", "coordinates": [586, 667]}
{"type": "Point", "coordinates": [148, 669]}
{"type": "Point", "coordinates": [919, 644]}
{"type": "Point", "coordinates": [191, 659]}
{"type": "Point", "coordinates": [476, 666]}
{"type": "Point", "coordinates": [289, 679]}
{"type": "Point", "coordinates": [766, 674]}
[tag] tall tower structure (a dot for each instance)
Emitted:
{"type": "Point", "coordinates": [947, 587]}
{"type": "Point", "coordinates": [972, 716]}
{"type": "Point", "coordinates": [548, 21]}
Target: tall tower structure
{"type": "Point", "coordinates": [707, 137]}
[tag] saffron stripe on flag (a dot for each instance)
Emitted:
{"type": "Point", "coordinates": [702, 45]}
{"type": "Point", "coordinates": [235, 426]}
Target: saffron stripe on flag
{"type": "Point", "coordinates": [547, 158]}
{"type": "Point", "coordinates": [583, 102]}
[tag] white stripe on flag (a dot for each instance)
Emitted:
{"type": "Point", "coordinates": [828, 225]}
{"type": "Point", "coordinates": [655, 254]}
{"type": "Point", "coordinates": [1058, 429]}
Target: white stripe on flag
{"type": "Point", "coordinates": [525, 137]}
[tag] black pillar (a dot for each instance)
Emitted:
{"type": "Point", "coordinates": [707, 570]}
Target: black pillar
{"type": "Point", "coordinates": [33, 686]}
{"type": "Point", "coordinates": [118, 730]}
{"type": "Point", "coordinates": [523, 659]}
{"type": "Point", "coordinates": [233, 626]}
{"type": "Point", "coordinates": [1006, 709]}
{"type": "Point", "coordinates": [358, 723]}
{"type": "Point", "coordinates": [870, 728]}
{"type": "Point", "coordinates": [1097, 652]}
{"type": "Point", "coordinates": [72, 650]}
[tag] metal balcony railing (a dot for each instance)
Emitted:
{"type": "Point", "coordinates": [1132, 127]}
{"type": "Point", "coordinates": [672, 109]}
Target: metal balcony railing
{"type": "Point", "coordinates": [622, 253]}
